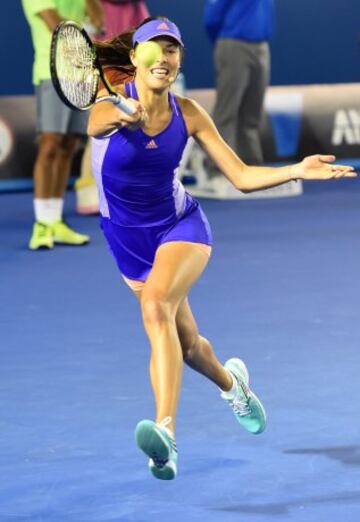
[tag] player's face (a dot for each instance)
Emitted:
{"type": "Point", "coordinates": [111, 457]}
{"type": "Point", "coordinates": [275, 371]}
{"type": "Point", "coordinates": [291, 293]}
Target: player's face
{"type": "Point", "coordinates": [163, 72]}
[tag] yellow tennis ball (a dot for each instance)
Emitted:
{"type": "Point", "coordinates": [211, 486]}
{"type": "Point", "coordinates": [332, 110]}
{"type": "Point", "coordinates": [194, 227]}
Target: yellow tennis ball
{"type": "Point", "coordinates": [148, 52]}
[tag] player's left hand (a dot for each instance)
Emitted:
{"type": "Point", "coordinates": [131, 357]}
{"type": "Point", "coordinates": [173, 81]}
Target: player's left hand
{"type": "Point", "coordinates": [320, 167]}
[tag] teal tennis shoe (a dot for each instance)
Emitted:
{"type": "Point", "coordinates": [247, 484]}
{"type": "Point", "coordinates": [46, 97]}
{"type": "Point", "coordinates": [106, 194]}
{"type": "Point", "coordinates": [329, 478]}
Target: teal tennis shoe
{"type": "Point", "coordinates": [247, 408]}
{"type": "Point", "coordinates": [157, 442]}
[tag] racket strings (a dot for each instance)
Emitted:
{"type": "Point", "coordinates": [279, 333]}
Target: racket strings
{"type": "Point", "coordinates": [75, 67]}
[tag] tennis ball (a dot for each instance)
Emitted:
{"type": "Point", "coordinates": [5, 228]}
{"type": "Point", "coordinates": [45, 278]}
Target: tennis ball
{"type": "Point", "coordinates": [148, 52]}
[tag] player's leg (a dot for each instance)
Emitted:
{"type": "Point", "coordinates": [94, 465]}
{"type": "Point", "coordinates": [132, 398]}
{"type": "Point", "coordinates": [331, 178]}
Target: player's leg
{"type": "Point", "coordinates": [232, 378]}
{"type": "Point", "coordinates": [155, 440]}
{"type": "Point", "coordinates": [197, 351]}
{"type": "Point", "coordinates": [199, 355]}
{"type": "Point", "coordinates": [177, 265]}
{"type": "Point", "coordinates": [137, 288]}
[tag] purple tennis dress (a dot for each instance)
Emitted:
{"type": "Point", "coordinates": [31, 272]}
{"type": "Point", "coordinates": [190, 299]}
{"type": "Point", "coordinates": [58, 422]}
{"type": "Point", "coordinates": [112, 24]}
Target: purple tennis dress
{"type": "Point", "coordinates": [142, 202]}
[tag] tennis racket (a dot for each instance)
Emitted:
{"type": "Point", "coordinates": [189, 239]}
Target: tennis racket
{"type": "Point", "coordinates": [76, 70]}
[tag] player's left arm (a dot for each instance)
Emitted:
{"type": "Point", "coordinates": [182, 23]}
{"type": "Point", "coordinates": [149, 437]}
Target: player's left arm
{"type": "Point", "coordinates": [247, 178]}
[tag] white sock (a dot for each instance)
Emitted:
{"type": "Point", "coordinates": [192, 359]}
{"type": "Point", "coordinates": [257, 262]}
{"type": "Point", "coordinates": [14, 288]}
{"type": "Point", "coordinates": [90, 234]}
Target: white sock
{"type": "Point", "coordinates": [43, 211]}
{"type": "Point", "coordinates": [57, 205]}
{"type": "Point", "coordinates": [230, 393]}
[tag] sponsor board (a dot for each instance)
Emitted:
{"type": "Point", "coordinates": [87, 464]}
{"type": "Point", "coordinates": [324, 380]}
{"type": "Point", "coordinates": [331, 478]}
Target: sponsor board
{"type": "Point", "coordinates": [297, 121]}
{"type": "Point", "coordinates": [305, 119]}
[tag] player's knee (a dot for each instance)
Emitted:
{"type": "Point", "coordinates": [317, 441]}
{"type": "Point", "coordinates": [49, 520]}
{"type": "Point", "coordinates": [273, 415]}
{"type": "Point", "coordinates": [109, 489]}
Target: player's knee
{"type": "Point", "coordinates": [156, 309]}
{"type": "Point", "coordinates": [196, 344]}
{"type": "Point", "coordinates": [190, 347]}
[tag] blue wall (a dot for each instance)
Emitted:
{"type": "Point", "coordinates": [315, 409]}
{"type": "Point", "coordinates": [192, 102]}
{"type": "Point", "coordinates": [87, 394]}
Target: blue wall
{"type": "Point", "coordinates": [315, 42]}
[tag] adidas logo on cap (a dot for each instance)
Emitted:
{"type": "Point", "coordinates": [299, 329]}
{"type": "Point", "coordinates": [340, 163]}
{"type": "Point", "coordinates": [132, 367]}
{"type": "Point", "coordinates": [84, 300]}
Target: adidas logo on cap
{"type": "Point", "coordinates": [163, 25]}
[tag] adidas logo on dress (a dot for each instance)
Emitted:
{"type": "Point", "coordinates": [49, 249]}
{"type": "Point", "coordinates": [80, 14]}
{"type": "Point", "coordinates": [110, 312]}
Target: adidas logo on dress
{"type": "Point", "coordinates": [151, 145]}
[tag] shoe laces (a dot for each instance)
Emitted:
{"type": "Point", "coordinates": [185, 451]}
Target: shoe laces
{"type": "Point", "coordinates": [160, 463]}
{"type": "Point", "coordinates": [62, 224]}
{"type": "Point", "coordinates": [42, 229]}
{"type": "Point", "coordinates": [164, 423]}
{"type": "Point", "coordinates": [240, 402]}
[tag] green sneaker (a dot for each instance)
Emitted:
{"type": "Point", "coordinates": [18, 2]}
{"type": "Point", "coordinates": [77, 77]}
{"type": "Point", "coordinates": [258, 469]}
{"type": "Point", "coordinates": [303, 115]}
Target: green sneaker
{"type": "Point", "coordinates": [247, 408]}
{"type": "Point", "coordinates": [64, 235]}
{"type": "Point", "coordinates": [41, 237]}
{"type": "Point", "coordinates": [157, 442]}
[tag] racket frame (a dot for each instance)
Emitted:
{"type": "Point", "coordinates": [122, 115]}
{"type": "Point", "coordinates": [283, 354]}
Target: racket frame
{"type": "Point", "coordinates": [114, 97]}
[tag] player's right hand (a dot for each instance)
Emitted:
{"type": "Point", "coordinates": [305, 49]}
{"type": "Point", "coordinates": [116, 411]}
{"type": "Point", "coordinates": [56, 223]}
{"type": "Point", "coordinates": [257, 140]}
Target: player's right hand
{"type": "Point", "coordinates": [136, 120]}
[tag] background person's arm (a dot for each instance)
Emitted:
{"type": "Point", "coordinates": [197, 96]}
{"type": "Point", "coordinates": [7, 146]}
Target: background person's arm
{"type": "Point", "coordinates": [95, 13]}
{"type": "Point", "coordinates": [51, 17]}
{"type": "Point", "coordinates": [215, 11]}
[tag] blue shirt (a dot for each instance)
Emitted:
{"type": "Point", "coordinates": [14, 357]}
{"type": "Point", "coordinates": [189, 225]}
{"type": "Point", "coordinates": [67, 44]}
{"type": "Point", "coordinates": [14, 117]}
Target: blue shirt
{"type": "Point", "coordinates": [250, 20]}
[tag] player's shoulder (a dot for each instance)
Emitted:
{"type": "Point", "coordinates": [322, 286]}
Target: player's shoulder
{"type": "Point", "coordinates": [195, 116]}
{"type": "Point", "coordinates": [188, 106]}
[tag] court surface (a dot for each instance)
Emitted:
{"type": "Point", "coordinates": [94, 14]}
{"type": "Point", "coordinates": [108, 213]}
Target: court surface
{"type": "Point", "coordinates": [281, 291]}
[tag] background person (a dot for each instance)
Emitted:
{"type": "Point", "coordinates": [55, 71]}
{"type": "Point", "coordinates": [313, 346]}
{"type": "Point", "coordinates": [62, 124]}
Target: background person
{"type": "Point", "coordinates": [240, 30]}
{"type": "Point", "coordinates": [59, 127]}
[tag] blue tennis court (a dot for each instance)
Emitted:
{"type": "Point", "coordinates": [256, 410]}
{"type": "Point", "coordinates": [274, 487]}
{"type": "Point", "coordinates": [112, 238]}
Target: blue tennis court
{"type": "Point", "coordinates": [281, 291]}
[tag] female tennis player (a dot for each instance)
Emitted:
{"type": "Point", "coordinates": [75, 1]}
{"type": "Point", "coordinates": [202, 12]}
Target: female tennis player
{"type": "Point", "coordinates": [158, 234]}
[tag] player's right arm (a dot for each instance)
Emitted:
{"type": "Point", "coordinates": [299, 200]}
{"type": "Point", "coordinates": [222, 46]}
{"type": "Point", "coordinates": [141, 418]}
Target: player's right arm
{"type": "Point", "coordinates": [105, 117]}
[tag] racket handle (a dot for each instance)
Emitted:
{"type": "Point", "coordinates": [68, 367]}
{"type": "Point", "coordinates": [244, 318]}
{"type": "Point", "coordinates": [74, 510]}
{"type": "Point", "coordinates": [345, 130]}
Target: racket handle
{"type": "Point", "coordinates": [120, 102]}
{"type": "Point", "coordinates": [124, 105]}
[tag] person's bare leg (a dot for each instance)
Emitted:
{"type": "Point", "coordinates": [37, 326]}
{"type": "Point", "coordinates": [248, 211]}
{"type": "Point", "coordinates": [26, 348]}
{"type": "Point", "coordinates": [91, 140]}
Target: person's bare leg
{"type": "Point", "coordinates": [176, 267]}
{"type": "Point", "coordinates": [53, 164]}
{"type": "Point", "coordinates": [197, 351]}
{"type": "Point", "coordinates": [152, 368]}
{"type": "Point", "coordinates": [44, 175]}
{"type": "Point", "coordinates": [62, 164]}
